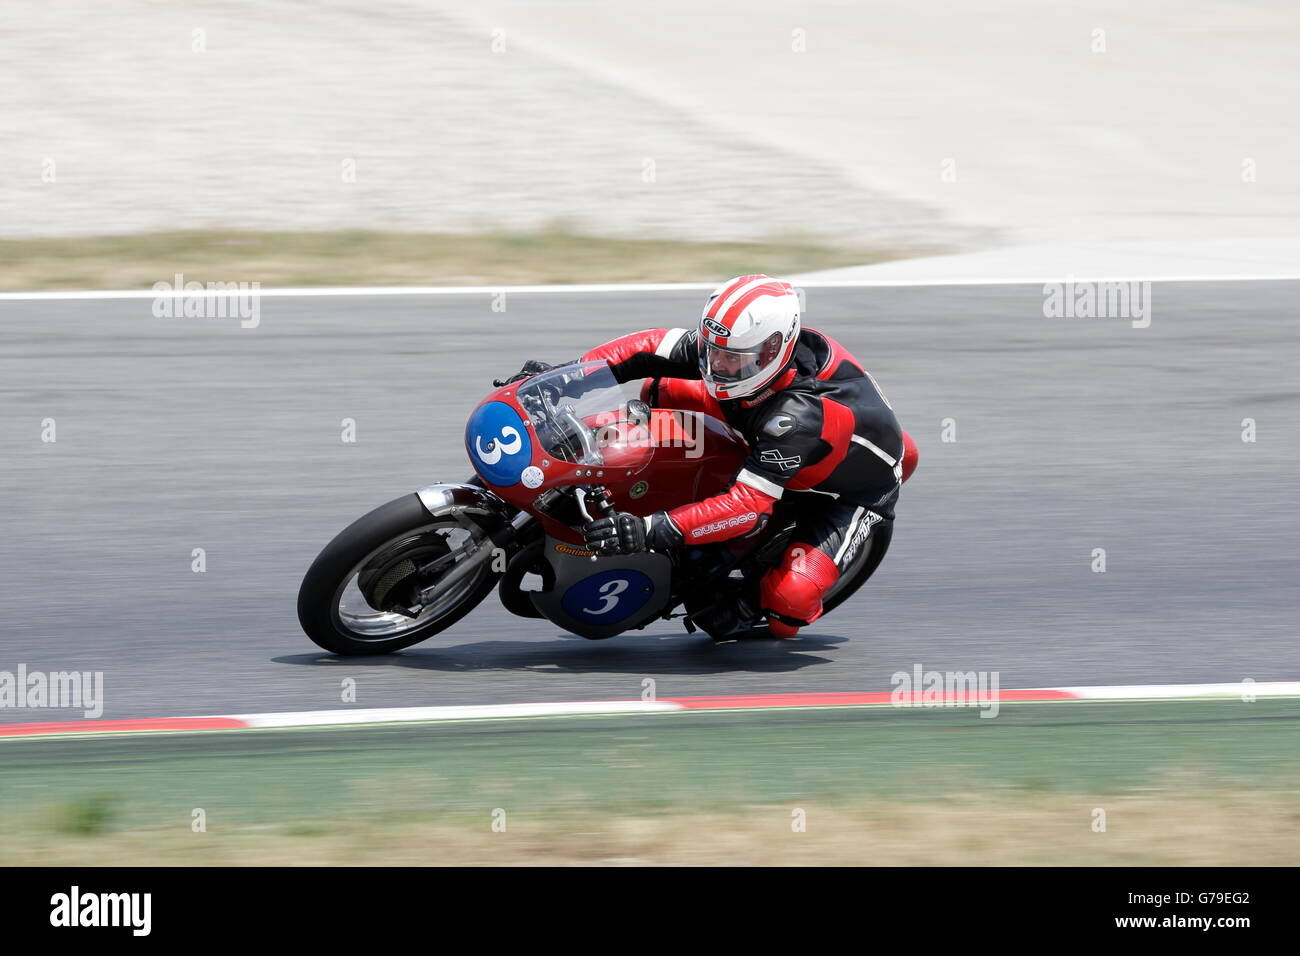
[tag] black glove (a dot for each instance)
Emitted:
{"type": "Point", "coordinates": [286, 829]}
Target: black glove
{"type": "Point", "coordinates": [531, 367]}
{"type": "Point", "coordinates": [621, 533]}
{"type": "Point", "coordinates": [624, 533]}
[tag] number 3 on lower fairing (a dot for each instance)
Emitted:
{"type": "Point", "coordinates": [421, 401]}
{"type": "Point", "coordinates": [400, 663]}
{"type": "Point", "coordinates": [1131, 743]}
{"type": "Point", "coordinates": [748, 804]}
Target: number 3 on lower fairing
{"type": "Point", "coordinates": [610, 591]}
{"type": "Point", "coordinates": [608, 597]}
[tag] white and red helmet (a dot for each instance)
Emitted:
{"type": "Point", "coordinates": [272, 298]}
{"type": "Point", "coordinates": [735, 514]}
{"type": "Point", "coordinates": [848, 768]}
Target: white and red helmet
{"type": "Point", "coordinates": [748, 334]}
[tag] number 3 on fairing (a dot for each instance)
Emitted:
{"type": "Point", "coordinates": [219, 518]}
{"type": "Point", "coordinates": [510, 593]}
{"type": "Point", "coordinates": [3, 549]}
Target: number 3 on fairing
{"type": "Point", "coordinates": [609, 591]}
{"type": "Point", "coordinates": [608, 597]}
{"type": "Point", "coordinates": [498, 446]}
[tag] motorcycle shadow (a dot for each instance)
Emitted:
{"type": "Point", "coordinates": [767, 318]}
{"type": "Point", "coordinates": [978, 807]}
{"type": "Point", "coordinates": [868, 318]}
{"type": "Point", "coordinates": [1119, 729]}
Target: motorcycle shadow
{"type": "Point", "coordinates": [623, 655]}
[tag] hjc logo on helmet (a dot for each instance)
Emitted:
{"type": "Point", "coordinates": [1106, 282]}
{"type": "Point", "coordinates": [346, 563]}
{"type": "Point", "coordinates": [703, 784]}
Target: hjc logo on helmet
{"type": "Point", "coordinates": [721, 331]}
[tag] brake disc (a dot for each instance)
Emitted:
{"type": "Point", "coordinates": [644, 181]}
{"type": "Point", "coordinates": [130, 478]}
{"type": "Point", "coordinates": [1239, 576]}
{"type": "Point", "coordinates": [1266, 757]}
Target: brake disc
{"type": "Point", "coordinates": [391, 581]}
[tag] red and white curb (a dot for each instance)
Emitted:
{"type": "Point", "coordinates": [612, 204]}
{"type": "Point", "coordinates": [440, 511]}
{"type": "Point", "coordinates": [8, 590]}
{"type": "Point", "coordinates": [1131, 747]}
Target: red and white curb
{"type": "Point", "coordinates": [1240, 691]}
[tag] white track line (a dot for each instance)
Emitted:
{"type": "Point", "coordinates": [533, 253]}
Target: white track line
{"type": "Point", "coordinates": [1187, 691]}
{"type": "Point", "coordinates": [1243, 691]}
{"type": "Point", "coordinates": [376, 291]}
{"type": "Point", "coordinates": [468, 712]}
{"type": "Point", "coordinates": [1238, 691]}
{"type": "Point", "coordinates": [367, 291]}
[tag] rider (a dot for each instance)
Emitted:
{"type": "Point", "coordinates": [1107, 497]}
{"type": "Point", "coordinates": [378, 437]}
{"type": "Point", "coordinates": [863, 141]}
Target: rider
{"type": "Point", "coordinates": [821, 436]}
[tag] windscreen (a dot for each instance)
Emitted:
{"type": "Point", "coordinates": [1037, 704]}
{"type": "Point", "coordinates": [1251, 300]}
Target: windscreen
{"type": "Point", "coordinates": [581, 414]}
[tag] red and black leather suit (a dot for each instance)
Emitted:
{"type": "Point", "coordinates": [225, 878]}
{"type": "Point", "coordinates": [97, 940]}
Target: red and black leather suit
{"type": "Point", "coordinates": [822, 439]}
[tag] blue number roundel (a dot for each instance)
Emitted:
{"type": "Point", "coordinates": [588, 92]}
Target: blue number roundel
{"type": "Point", "coordinates": [608, 596]}
{"type": "Point", "coordinates": [498, 443]}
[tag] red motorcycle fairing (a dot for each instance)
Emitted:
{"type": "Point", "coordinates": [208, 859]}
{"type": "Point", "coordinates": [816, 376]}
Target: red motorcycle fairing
{"type": "Point", "coordinates": [675, 458]}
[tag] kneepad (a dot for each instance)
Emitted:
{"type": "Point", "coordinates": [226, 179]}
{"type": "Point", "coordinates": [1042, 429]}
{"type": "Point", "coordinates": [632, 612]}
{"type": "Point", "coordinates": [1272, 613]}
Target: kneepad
{"type": "Point", "coordinates": [792, 592]}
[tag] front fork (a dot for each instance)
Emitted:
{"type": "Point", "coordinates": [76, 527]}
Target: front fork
{"type": "Point", "coordinates": [494, 526]}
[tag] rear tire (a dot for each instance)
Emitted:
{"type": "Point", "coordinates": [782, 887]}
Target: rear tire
{"type": "Point", "coordinates": [392, 526]}
{"type": "Point", "coordinates": [867, 564]}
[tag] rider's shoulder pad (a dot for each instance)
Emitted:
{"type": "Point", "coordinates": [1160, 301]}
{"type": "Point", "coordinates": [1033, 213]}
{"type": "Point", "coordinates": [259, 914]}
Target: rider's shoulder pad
{"type": "Point", "coordinates": [784, 415]}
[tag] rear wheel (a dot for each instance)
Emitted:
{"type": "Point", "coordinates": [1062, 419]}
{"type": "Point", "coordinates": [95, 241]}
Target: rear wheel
{"type": "Point", "coordinates": [862, 568]}
{"type": "Point", "coordinates": [395, 577]}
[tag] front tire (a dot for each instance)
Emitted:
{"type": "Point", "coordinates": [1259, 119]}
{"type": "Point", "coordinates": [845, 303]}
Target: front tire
{"type": "Point", "coordinates": [376, 558]}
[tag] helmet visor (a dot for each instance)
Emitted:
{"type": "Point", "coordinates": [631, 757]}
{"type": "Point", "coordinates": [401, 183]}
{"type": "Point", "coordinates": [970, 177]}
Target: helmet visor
{"type": "Point", "coordinates": [730, 366]}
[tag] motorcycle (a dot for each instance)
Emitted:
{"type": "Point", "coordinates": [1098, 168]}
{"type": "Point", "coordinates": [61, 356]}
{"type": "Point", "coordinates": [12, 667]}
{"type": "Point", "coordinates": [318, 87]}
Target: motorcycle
{"type": "Point", "coordinates": [550, 453]}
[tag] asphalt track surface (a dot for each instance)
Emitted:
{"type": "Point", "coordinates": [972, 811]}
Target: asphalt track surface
{"type": "Point", "coordinates": [1072, 435]}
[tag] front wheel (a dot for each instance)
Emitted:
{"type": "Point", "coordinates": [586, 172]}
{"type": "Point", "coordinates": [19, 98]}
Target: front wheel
{"type": "Point", "coordinates": [396, 577]}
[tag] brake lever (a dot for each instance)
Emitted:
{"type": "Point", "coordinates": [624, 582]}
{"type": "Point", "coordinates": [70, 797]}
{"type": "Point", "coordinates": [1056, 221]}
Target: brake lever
{"type": "Point", "coordinates": [581, 497]}
{"type": "Point", "coordinates": [599, 497]}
